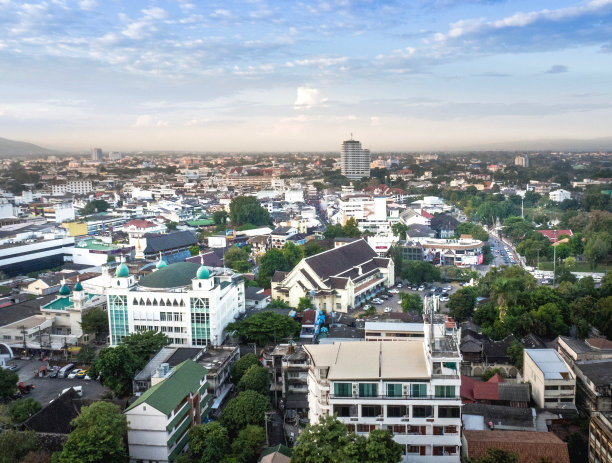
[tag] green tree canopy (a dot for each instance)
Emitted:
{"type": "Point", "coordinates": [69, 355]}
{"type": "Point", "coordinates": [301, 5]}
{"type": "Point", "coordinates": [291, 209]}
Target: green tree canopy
{"type": "Point", "coordinates": [116, 367]}
{"type": "Point", "coordinates": [145, 344]}
{"type": "Point", "coordinates": [237, 259]}
{"type": "Point", "coordinates": [220, 217]}
{"type": "Point", "coordinates": [247, 446]}
{"type": "Point", "coordinates": [247, 209]}
{"type": "Point", "coordinates": [293, 254]}
{"type": "Point", "coordinates": [515, 353]}
{"type": "Point", "coordinates": [248, 407]}
{"type": "Point", "coordinates": [400, 230]}
{"type": "Point", "coordinates": [97, 205]}
{"type": "Point", "coordinates": [333, 231]}
{"type": "Point", "coordinates": [22, 409]}
{"type": "Point", "coordinates": [8, 382]}
{"type": "Point", "coordinates": [419, 272]}
{"type": "Point", "coordinates": [98, 436]}
{"type": "Point", "coordinates": [208, 443]}
{"type": "Point", "coordinates": [256, 378]}
{"type": "Point", "coordinates": [411, 302]}
{"type": "Point", "coordinates": [351, 229]}
{"type": "Point", "coordinates": [15, 445]}
{"type": "Point", "coordinates": [241, 365]}
{"type": "Point", "coordinates": [270, 262]}
{"type": "Point", "coordinates": [462, 303]}
{"type": "Point", "coordinates": [95, 321]}
{"type": "Point", "coordinates": [469, 228]}
{"type": "Point", "coordinates": [265, 327]}
{"type": "Point", "coordinates": [303, 304]}
{"type": "Point", "coordinates": [312, 247]}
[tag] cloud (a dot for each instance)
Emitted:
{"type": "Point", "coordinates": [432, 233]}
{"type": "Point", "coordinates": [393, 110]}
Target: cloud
{"type": "Point", "coordinates": [557, 69]}
{"type": "Point", "coordinates": [148, 120]}
{"type": "Point", "coordinates": [307, 97]}
{"type": "Point", "coordinates": [88, 4]}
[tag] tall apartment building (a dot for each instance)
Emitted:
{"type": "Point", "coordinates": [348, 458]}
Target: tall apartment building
{"type": "Point", "coordinates": [189, 302]}
{"type": "Point", "coordinates": [600, 438]}
{"type": "Point", "coordinates": [521, 161]}
{"type": "Point", "coordinates": [96, 154]}
{"type": "Point", "coordinates": [354, 160]}
{"type": "Point", "coordinates": [77, 187]}
{"type": "Point", "coordinates": [408, 387]}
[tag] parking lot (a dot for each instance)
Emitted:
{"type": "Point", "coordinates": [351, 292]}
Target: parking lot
{"type": "Point", "coordinates": [393, 301]}
{"type": "Point", "coordinates": [46, 389]}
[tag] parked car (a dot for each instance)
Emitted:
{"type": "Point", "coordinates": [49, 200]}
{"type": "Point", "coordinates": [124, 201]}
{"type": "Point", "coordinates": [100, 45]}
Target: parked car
{"type": "Point", "coordinates": [421, 288]}
{"type": "Point", "coordinates": [444, 299]}
{"type": "Point", "coordinates": [81, 374]}
{"type": "Point", "coordinates": [72, 374]}
{"type": "Point", "coordinates": [54, 372]}
{"type": "Point", "coordinates": [388, 309]}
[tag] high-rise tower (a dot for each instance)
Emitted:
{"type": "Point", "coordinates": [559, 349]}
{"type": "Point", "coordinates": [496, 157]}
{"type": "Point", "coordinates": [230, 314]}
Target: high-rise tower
{"type": "Point", "coordinates": [96, 154]}
{"type": "Point", "coordinates": [354, 160]}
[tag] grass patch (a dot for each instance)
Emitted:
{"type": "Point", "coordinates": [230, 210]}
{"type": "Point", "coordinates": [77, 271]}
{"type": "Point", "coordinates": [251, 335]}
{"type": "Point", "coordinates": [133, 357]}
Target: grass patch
{"type": "Point", "coordinates": [579, 267]}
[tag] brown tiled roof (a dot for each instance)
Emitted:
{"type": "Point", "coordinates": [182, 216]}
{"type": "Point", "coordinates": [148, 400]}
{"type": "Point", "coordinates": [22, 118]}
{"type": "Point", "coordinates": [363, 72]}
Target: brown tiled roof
{"type": "Point", "coordinates": [599, 343]}
{"type": "Point", "coordinates": [278, 276]}
{"type": "Point", "coordinates": [531, 447]}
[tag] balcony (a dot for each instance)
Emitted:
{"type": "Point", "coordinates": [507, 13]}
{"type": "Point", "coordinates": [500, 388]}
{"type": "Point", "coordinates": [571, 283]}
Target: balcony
{"type": "Point", "coordinates": [389, 397]}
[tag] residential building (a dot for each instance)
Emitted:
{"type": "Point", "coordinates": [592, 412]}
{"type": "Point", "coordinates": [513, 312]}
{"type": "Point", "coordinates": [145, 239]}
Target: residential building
{"type": "Point", "coordinates": [461, 252]}
{"type": "Point", "coordinates": [444, 226]}
{"type": "Point", "coordinates": [387, 331]}
{"type": "Point", "coordinates": [362, 208]}
{"type": "Point", "coordinates": [191, 303]}
{"type": "Point", "coordinates": [559, 195]}
{"type": "Point", "coordinates": [280, 235]}
{"type": "Point", "coordinates": [75, 187]}
{"type": "Point", "coordinates": [410, 388]}
{"type": "Point", "coordinates": [554, 235]}
{"type": "Point", "coordinates": [257, 298]}
{"type": "Point", "coordinates": [521, 161]}
{"type": "Point", "coordinates": [552, 381]}
{"type": "Point", "coordinates": [336, 280]}
{"type": "Point", "coordinates": [160, 419]}
{"type": "Point", "coordinates": [600, 438]}
{"type": "Point", "coordinates": [594, 385]}
{"type": "Point", "coordinates": [354, 160]}
{"type": "Point", "coordinates": [95, 252]}
{"type": "Point", "coordinates": [530, 447]}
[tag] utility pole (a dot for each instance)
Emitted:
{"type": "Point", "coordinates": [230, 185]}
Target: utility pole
{"type": "Point", "coordinates": [538, 267]}
{"type": "Point", "coordinates": [554, 265]}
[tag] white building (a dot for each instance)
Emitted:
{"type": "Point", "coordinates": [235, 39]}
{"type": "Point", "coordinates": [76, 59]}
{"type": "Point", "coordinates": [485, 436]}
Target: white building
{"type": "Point", "coordinates": [354, 160]}
{"type": "Point", "coordinates": [552, 381]}
{"type": "Point", "coordinates": [559, 195]}
{"type": "Point", "coordinates": [77, 187]}
{"type": "Point", "coordinates": [160, 419]}
{"type": "Point", "coordinates": [362, 208]}
{"type": "Point", "coordinates": [294, 196]}
{"type": "Point", "coordinates": [409, 387]}
{"type": "Point", "coordinates": [191, 304]}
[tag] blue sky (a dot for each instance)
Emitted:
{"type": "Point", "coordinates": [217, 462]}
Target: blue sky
{"type": "Point", "coordinates": [303, 75]}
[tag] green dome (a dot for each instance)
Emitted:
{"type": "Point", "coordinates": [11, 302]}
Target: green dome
{"type": "Point", "coordinates": [203, 273]}
{"type": "Point", "coordinates": [122, 271]}
{"type": "Point", "coordinates": [170, 276]}
{"type": "Point", "coordinates": [64, 290]}
{"type": "Point", "coordinates": [78, 286]}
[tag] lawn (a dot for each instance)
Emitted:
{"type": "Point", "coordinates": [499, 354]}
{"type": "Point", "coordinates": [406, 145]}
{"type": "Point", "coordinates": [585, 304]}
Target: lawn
{"type": "Point", "coordinates": [579, 267]}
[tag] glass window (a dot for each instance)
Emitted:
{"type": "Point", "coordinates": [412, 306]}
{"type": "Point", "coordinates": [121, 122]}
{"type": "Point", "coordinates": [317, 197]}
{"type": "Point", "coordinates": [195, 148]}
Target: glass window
{"type": "Point", "coordinates": [343, 389]}
{"type": "Point", "coordinates": [422, 411]}
{"type": "Point", "coordinates": [368, 389]}
{"type": "Point", "coordinates": [396, 411]}
{"type": "Point", "coordinates": [418, 390]}
{"type": "Point", "coordinates": [448, 412]}
{"type": "Point", "coordinates": [371, 411]}
{"type": "Point", "coordinates": [394, 390]}
{"type": "Point", "coordinates": [445, 391]}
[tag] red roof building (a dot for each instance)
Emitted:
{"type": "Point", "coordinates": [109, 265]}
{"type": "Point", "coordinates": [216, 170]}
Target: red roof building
{"type": "Point", "coordinates": [553, 235]}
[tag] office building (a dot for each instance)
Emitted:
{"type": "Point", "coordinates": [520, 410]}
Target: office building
{"type": "Point", "coordinates": [96, 154]}
{"type": "Point", "coordinates": [552, 381]}
{"type": "Point", "coordinates": [354, 160]}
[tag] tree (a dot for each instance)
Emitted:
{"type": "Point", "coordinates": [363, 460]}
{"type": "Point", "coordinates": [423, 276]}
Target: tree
{"type": "Point", "coordinates": [329, 441]}
{"type": "Point", "coordinates": [247, 445]}
{"type": "Point", "coordinates": [22, 409]}
{"type": "Point", "coordinates": [487, 375]}
{"type": "Point", "coordinates": [420, 272]}
{"type": "Point", "coordinates": [116, 367]}
{"type": "Point", "coordinates": [400, 230]}
{"type": "Point", "coordinates": [303, 304]}
{"type": "Point", "coordinates": [241, 365]}
{"type": "Point", "coordinates": [256, 378]}
{"type": "Point", "coordinates": [270, 262]}
{"type": "Point", "coordinates": [98, 436]}
{"type": "Point", "coordinates": [8, 383]}
{"type": "Point", "coordinates": [469, 228]}
{"type": "Point", "coordinates": [293, 254]}
{"type": "Point", "coordinates": [333, 231]}
{"type": "Point", "coordinates": [209, 442]}
{"type": "Point", "coordinates": [411, 302]}
{"type": "Point", "coordinates": [171, 225]}
{"type": "Point", "coordinates": [550, 320]}
{"type": "Point", "coordinates": [220, 217]}
{"type": "Point", "coordinates": [515, 353]}
{"type": "Point", "coordinates": [145, 344]}
{"type": "Point", "coordinates": [603, 317]}
{"type": "Point", "coordinates": [248, 407]}
{"type": "Point", "coordinates": [194, 250]}
{"type": "Point", "coordinates": [597, 248]}
{"type": "Point", "coordinates": [237, 259]}
{"type": "Point", "coordinates": [265, 327]}
{"type": "Point", "coordinates": [462, 303]}
{"type": "Point", "coordinates": [350, 228]}
{"type": "Point", "coordinates": [312, 247]}
{"type": "Point", "coordinates": [95, 321]}
{"type": "Point", "coordinates": [97, 205]}
{"type": "Point", "coordinates": [14, 445]}
{"type": "Point", "coordinates": [86, 355]}
{"type": "Point", "coordinates": [496, 456]}
{"type": "Point", "coordinates": [247, 209]}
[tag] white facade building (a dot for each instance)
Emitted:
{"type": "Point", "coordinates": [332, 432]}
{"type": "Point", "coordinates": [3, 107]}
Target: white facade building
{"type": "Point", "coordinates": [354, 160]}
{"type": "Point", "coordinates": [559, 195]}
{"type": "Point", "coordinates": [77, 187]}
{"type": "Point", "coordinates": [552, 380]}
{"type": "Point", "coordinates": [191, 304]}
{"type": "Point", "coordinates": [408, 387]}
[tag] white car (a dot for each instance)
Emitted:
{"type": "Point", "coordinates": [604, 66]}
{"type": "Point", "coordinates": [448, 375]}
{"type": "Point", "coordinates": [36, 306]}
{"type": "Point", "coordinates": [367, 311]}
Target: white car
{"type": "Point", "coordinates": [421, 288]}
{"type": "Point", "coordinates": [448, 288]}
{"type": "Point", "coordinates": [394, 291]}
{"type": "Point", "coordinates": [73, 374]}
{"type": "Point", "coordinates": [388, 309]}
{"type": "Point", "coordinates": [444, 299]}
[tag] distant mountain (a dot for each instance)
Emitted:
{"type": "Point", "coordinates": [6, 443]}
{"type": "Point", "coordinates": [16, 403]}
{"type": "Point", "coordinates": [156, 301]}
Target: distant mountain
{"type": "Point", "coordinates": [594, 144]}
{"type": "Point", "coordinates": [9, 148]}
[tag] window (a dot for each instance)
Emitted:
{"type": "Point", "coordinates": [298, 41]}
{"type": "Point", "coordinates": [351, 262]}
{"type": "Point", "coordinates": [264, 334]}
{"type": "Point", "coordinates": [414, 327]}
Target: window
{"type": "Point", "coordinates": [371, 411]}
{"type": "Point", "coordinates": [445, 391]}
{"type": "Point", "coordinates": [448, 412]}
{"type": "Point", "coordinates": [422, 411]}
{"type": "Point", "coordinates": [450, 429]}
{"type": "Point", "coordinates": [368, 390]}
{"type": "Point", "coordinates": [413, 449]}
{"type": "Point", "coordinates": [350, 427]}
{"type": "Point", "coordinates": [394, 390]}
{"type": "Point", "coordinates": [343, 389]}
{"type": "Point", "coordinates": [396, 411]}
{"type": "Point", "coordinates": [397, 429]}
{"type": "Point", "coordinates": [345, 410]}
{"type": "Point", "coordinates": [162, 316]}
{"type": "Point", "coordinates": [551, 388]}
{"type": "Point", "coordinates": [365, 427]}
{"type": "Point", "coordinates": [418, 390]}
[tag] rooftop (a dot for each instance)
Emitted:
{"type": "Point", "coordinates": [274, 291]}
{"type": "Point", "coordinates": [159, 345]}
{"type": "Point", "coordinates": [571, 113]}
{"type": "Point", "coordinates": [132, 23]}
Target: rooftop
{"type": "Point", "coordinates": [22, 310]}
{"type": "Point", "coordinates": [394, 326]}
{"type": "Point", "coordinates": [549, 362]}
{"type": "Point", "coordinates": [172, 276]}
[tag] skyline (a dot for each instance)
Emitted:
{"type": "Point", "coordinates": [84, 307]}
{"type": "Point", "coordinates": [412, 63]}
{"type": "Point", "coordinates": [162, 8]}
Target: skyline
{"type": "Point", "coordinates": [276, 76]}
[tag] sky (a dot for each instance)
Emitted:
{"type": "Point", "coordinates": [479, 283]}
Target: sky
{"type": "Point", "coordinates": [303, 75]}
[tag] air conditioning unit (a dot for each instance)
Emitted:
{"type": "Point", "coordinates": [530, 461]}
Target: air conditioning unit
{"type": "Point", "coordinates": [380, 418]}
{"type": "Point", "coordinates": [406, 418]}
{"type": "Point", "coordinates": [354, 419]}
{"type": "Point", "coordinates": [355, 390]}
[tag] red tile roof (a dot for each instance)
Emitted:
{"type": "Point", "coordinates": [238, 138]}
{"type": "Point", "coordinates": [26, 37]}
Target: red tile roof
{"type": "Point", "coordinates": [139, 223]}
{"type": "Point", "coordinates": [531, 447]}
{"type": "Point", "coordinates": [496, 379]}
{"type": "Point", "coordinates": [553, 235]}
{"type": "Point", "coordinates": [485, 391]}
{"type": "Point", "coordinates": [599, 343]}
{"type": "Point", "coordinates": [426, 214]}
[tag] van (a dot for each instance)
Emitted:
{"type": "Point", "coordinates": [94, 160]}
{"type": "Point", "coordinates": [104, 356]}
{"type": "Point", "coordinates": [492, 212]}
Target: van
{"type": "Point", "coordinates": [63, 373]}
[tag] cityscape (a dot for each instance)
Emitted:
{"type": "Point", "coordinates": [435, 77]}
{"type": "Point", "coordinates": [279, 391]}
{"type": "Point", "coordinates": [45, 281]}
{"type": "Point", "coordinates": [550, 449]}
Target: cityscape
{"type": "Point", "coordinates": [305, 232]}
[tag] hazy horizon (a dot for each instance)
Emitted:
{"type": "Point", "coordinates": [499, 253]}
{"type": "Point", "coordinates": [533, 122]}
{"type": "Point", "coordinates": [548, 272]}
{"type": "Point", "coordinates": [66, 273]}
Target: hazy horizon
{"type": "Point", "coordinates": [252, 75]}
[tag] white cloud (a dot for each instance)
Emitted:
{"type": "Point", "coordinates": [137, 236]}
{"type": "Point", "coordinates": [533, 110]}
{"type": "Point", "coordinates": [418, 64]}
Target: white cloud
{"type": "Point", "coordinates": [307, 97]}
{"type": "Point", "coordinates": [88, 4]}
{"type": "Point", "coordinates": [155, 13]}
{"type": "Point", "coordinates": [147, 120]}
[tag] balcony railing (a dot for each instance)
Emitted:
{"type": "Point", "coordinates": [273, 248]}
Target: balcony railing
{"type": "Point", "coordinates": [392, 397]}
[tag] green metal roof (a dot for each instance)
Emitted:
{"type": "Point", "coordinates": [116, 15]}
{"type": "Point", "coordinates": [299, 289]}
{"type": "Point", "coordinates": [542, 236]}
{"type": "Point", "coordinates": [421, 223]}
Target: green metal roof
{"type": "Point", "coordinates": [96, 245]}
{"type": "Point", "coordinates": [168, 394]}
{"type": "Point", "coordinates": [61, 303]}
{"type": "Point", "coordinates": [64, 290]}
{"type": "Point", "coordinates": [200, 222]}
{"type": "Point", "coordinates": [171, 276]}
{"type": "Point", "coordinates": [122, 271]}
